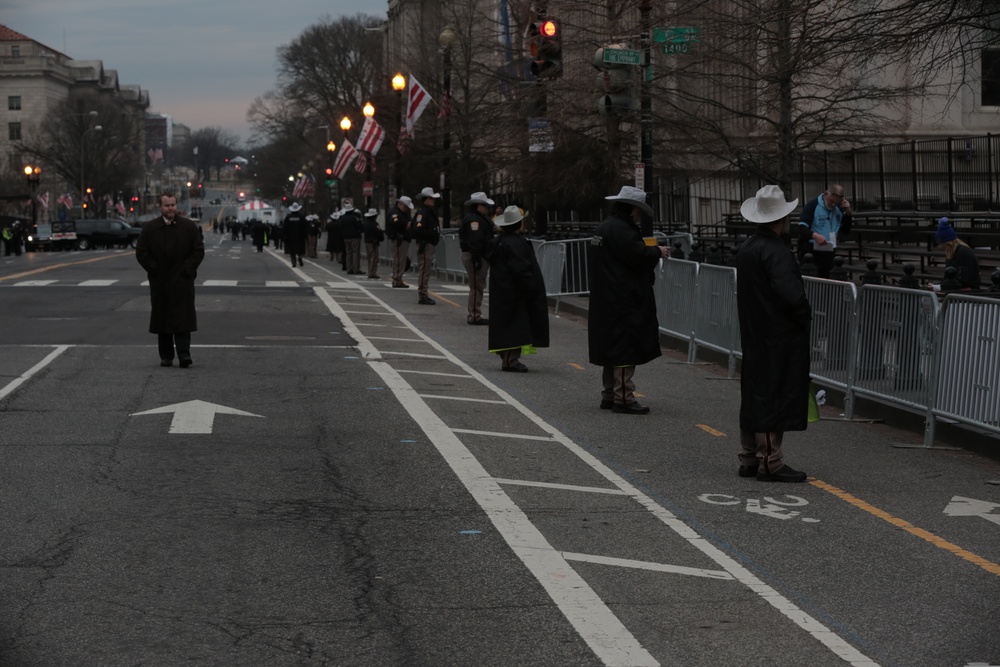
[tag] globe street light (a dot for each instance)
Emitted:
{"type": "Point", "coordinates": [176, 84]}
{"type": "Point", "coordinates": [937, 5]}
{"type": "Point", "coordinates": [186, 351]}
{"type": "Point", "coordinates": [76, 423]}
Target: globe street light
{"type": "Point", "coordinates": [445, 40]}
{"type": "Point", "coordinates": [331, 182]}
{"type": "Point", "coordinates": [83, 143]}
{"type": "Point", "coordinates": [33, 174]}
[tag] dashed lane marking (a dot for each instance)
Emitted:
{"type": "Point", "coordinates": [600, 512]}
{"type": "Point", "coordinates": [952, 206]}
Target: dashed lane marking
{"type": "Point", "coordinates": [939, 542]}
{"type": "Point", "coordinates": [576, 366]}
{"type": "Point", "coordinates": [711, 431]}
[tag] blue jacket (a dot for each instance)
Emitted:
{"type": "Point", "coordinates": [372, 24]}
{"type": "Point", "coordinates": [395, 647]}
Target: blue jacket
{"type": "Point", "coordinates": [816, 217]}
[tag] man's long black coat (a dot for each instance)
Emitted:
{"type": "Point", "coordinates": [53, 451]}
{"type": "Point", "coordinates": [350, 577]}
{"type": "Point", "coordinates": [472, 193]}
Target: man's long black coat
{"type": "Point", "coordinates": [171, 255]}
{"type": "Point", "coordinates": [519, 312]}
{"type": "Point", "coordinates": [622, 326]}
{"type": "Point", "coordinates": [774, 328]}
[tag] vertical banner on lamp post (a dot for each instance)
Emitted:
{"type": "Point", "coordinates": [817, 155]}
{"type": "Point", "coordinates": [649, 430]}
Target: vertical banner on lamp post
{"type": "Point", "coordinates": [368, 188]}
{"type": "Point", "coordinates": [640, 175]}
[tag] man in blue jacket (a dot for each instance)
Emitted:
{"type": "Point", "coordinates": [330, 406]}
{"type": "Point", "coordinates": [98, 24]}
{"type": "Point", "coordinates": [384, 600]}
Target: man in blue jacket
{"type": "Point", "coordinates": [822, 222]}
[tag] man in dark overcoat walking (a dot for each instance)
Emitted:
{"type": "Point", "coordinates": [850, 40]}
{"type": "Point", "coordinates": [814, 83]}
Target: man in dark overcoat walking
{"type": "Point", "coordinates": [295, 228]}
{"type": "Point", "coordinates": [622, 328]}
{"type": "Point", "coordinates": [774, 330]}
{"type": "Point", "coordinates": [171, 248]}
{"type": "Point", "coordinates": [519, 311]}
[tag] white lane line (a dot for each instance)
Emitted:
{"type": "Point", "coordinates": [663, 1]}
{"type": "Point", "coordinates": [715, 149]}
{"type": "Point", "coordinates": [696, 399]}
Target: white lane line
{"type": "Point", "coordinates": [366, 349]}
{"type": "Point", "coordinates": [834, 642]}
{"type": "Point", "coordinates": [559, 487]}
{"type": "Point", "coordinates": [447, 375]}
{"type": "Point", "coordinates": [646, 565]}
{"type": "Point", "coordinates": [607, 637]}
{"type": "Point", "coordinates": [497, 434]}
{"type": "Point", "coordinates": [14, 384]}
{"type": "Point", "coordinates": [463, 398]}
{"type": "Point", "coordinates": [343, 285]}
{"type": "Point", "coordinates": [366, 312]}
{"type": "Point", "coordinates": [399, 340]}
{"type": "Point", "coordinates": [34, 283]}
{"type": "Point", "coordinates": [97, 283]}
{"type": "Point", "coordinates": [281, 283]}
{"type": "Point", "coordinates": [415, 355]}
{"type": "Point", "coordinates": [220, 283]}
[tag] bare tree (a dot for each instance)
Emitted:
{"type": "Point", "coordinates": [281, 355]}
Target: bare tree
{"type": "Point", "coordinates": [214, 146]}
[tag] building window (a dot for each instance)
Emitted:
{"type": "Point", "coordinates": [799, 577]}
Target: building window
{"type": "Point", "coordinates": [14, 103]}
{"type": "Point", "coordinates": [991, 78]}
{"type": "Point", "coordinates": [15, 50]}
{"type": "Point", "coordinates": [14, 131]}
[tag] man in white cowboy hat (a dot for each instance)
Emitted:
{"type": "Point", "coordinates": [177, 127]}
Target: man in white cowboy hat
{"type": "Point", "coordinates": [397, 229]}
{"type": "Point", "coordinates": [373, 238]}
{"type": "Point", "coordinates": [426, 232]}
{"type": "Point", "coordinates": [474, 236]}
{"type": "Point", "coordinates": [352, 228]}
{"type": "Point", "coordinates": [294, 232]}
{"type": "Point", "coordinates": [622, 328]}
{"type": "Point", "coordinates": [774, 329]}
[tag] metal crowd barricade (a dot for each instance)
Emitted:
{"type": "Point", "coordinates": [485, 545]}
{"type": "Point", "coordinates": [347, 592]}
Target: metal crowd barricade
{"type": "Point", "coordinates": [448, 256]}
{"type": "Point", "coordinates": [716, 318]}
{"type": "Point", "coordinates": [675, 288]}
{"type": "Point", "coordinates": [967, 387]}
{"type": "Point", "coordinates": [552, 260]}
{"type": "Point", "coordinates": [833, 335]}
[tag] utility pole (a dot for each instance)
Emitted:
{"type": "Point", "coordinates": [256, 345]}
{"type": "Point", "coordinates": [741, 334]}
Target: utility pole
{"type": "Point", "coordinates": [646, 111]}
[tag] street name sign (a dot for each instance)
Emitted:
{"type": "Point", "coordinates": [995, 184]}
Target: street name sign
{"type": "Point", "coordinates": [622, 56]}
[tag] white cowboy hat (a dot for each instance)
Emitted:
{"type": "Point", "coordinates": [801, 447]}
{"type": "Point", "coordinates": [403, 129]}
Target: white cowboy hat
{"type": "Point", "coordinates": [768, 205]}
{"type": "Point", "coordinates": [479, 198]}
{"type": "Point", "coordinates": [428, 193]}
{"type": "Point", "coordinates": [335, 215]}
{"type": "Point", "coordinates": [406, 201]}
{"type": "Point", "coordinates": [295, 208]}
{"type": "Point", "coordinates": [511, 216]}
{"type": "Point", "coordinates": [633, 196]}
{"type": "Point", "coordinates": [371, 213]}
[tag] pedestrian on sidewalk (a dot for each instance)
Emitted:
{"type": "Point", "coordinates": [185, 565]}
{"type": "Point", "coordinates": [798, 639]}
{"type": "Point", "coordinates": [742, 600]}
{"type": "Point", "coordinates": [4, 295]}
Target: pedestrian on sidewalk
{"type": "Point", "coordinates": [352, 228]}
{"type": "Point", "coordinates": [170, 249]}
{"type": "Point", "coordinates": [397, 229]}
{"type": "Point", "coordinates": [373, 237]}
{"type": "Point", "coordinates": [519, 311]}
{"type": "Point", "coordinates": [474, 237]}
{"type": "Point", "coordinates": [622, 328]}
{"type": "Point", "coordinates": [775, 318]}
{"type": "Point", "coordinates": [427, 234]}
{"type": "Point", "coordinates": [294, 230]}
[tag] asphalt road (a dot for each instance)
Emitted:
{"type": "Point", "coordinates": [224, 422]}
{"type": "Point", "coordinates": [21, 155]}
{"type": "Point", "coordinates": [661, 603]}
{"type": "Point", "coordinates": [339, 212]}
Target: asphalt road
{"type": "Point", "coordinates": [345, 477]}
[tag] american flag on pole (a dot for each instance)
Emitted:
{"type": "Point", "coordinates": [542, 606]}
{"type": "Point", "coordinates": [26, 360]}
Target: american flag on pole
{"type": "Point", "coordinates": [155, 154]}
{"type": "Point", "coordinates": [66, 200]}
{"type": "Point", "coordinates": [109, 203]}
{"type": "Point", "coordinates": [344, 159]}
{"type": "Point", "coordinates": [371, 138]}
{"type": "Point", "coordinates": [417, 101]}
{"type": "Point", "coordinates": [43, 200]}
{"type": "Point", "coordinates": [120, 207]}
{"type": "Point", "coordinates": [361, 163]}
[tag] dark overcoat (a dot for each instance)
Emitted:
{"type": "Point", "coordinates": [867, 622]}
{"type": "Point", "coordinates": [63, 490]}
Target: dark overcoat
{"type": "Point", "coordinates": [295, 230]}
{"type": "Point", "coordinates": [774, 329]}
{"type": "Point", "coordinates": [622, 328]}
{"type": "Point", "coordinates": [351, 226]}
{"type": "Point", "coordinates": [171, 255]}
{"type": "Point", "coordinates": [334, 239]}
{"type": "Point", "coordinates": [519, 312]}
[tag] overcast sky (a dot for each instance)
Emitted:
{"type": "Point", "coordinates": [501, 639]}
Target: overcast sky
{"type": "Point", "coordinates": [201, 61]}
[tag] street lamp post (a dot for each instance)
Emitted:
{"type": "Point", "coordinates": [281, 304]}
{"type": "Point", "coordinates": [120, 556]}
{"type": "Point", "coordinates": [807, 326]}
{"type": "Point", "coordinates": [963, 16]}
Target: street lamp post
{"type": "Point", "coordinates": [445, 40]}
{"type": "Point", "coordinates": [33, 174]}
{"type": "Point", "coordinates": [399, 85]}
{"type": "Point", "coordinates": [368, 111]}
{"type": "Point", "coordinates": [345, 126]}
{"type": "Point", "coordinates": [83, 143]}
{"type": "Point", "coordinates": [331, 183]}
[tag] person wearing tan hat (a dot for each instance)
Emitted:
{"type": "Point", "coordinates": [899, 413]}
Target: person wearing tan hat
{"type": "Point", "coordinates": [427, 234]}
{"type": "Point", "coordinates": [397, 229]}
{"type": "Point", "coordinates": [474, 236]}
{"type": "Point", "coordinates": [775, 318]}
{"type": "Point", "coordinates": [622, 328]}
{"type": "Point", "coordinates": [519, 310]}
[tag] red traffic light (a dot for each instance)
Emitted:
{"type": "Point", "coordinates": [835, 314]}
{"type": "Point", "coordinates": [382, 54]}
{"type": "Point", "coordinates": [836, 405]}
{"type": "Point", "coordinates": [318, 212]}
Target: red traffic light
{"type": "Point", "coordinates": [548, 28]}
{"type": "Point", "coordinates": [329, 171]}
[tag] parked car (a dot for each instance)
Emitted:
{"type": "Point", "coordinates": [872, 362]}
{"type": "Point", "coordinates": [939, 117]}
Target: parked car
{"type": "Point", "coordinates": [109, 233]}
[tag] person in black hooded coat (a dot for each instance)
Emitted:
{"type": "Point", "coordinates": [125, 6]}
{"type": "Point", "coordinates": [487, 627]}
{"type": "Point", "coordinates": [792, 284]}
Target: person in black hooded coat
{"type": "Point", "coordinates": [622, 328]}
{"type": "Point", "coordinates": [775, 319]}
{"type": "Point", "coordinates": [519, 311]}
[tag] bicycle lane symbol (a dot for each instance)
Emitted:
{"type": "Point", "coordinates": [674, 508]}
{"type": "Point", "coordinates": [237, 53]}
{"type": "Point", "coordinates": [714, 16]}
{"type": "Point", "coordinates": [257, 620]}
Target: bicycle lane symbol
{"type": "Point", "coordinates": [766, 506]}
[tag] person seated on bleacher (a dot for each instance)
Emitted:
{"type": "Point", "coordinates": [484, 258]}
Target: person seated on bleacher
{"type": "Point", "coordinates": [822, 220]}
{"type": "Point", "coordinates": [957, 254]}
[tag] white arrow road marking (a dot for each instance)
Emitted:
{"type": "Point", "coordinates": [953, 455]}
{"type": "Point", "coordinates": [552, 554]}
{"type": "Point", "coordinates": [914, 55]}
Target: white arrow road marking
{"type": "Point", "coordinates": [961, 506]}
{"type": "Point", "coordinates": [194, 416]}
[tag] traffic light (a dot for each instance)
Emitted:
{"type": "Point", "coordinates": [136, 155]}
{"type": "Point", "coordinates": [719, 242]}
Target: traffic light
{"type": "Point", "coordinates": [616, 81]}
{"type": "Point", "coordinates": [329, 177]}
{"type": "Point", "coordinates": [545, 45]}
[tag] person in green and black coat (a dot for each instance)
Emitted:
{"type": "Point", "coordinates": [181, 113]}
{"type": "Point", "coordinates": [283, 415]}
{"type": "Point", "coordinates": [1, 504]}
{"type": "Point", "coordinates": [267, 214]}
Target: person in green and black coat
{"type": "Point", "coordinates": [519, 312]}
{"type": "Point", "coordinates": [426, 232]}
